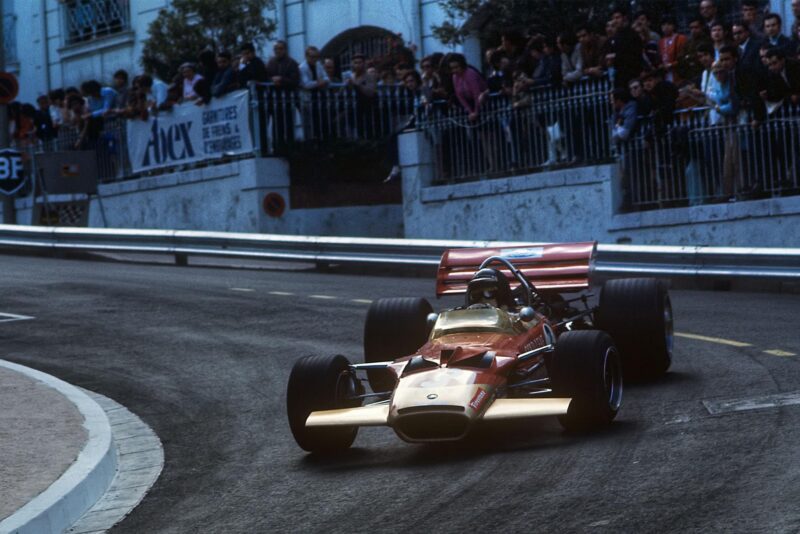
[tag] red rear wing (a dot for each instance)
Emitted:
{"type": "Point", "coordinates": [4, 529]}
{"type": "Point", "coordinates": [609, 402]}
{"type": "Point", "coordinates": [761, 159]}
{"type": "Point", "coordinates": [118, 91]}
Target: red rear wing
{"type": "Point", "coordinates": [563, 267]}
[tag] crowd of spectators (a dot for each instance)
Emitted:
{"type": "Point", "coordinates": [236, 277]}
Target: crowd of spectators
{"type": "Point", "coordinates": [741, 72]}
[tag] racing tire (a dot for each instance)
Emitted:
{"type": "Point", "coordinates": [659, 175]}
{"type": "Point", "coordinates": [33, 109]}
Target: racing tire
{"type": "Point", "coordinates": [394, 327]}
{"type": "Point", "coordinates": [586, 367]}
{"type": "Point", "coordinates": [637, 314]}
{"type": "Point", "coordinates": [320, 383]}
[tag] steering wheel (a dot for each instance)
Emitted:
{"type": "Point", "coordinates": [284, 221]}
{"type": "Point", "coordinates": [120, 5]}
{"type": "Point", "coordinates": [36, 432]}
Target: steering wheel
{"type": "Point", "coordinates": [529, 292]}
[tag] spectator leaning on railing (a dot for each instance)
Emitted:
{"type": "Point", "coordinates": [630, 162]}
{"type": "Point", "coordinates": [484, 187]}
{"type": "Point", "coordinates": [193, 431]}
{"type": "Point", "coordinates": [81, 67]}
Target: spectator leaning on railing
{"type": "Point", "coordinates": [225, 80]}
{"type": "Point", "coordinates": [749, 72]}
{"type": "Point", "coordinates": [591, 48]}
{"type": "Point", "coordinates": [313, 79]}
{"type": "Point", "coordinates": [155, 90]}
{"type": "Point", "coordinates": [190, 83]}
{"type": "Point", "coordinates": [783, 82]}
{"type": "Point", "coordinates": [45, 130]}
{"type": "Point", "coordinates": [625, 55]}
{"type": "Point", "coordinates": [120, 83]}
{"type": "Point", "coordinates": [625, 122]}
{"type": "Point", "coordinates": [251, 67]}
{"type": "Point", "coordinates": [571, 58]}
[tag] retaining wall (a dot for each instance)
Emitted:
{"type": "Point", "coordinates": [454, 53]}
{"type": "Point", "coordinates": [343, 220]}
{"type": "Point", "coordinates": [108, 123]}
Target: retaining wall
{"type": "Point", "coordinates": [224, 197]}
{"type": "Point", "coordinates": [576, 205]}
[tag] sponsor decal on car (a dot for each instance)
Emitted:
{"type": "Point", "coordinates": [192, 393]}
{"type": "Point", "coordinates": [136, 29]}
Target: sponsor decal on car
{"type": "Point", "coordinates": [535, 343]}
{"type": "Point", "coordinates": [527, 252]}
{"type": "Point", "coordinates": [478, 399]}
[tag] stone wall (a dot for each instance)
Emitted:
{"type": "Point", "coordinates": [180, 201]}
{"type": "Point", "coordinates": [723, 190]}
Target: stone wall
{"type": "Point", "coordinates": [576, 205]}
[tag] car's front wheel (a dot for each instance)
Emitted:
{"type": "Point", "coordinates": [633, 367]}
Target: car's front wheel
{"type": "Point", "coordinates": [586, 368]}
{"type": "Point", "coordinates": [637, 314]}
{"type": "Point", "coordinates": [394, 327]}
{"type": "Point", "coordinates": [320, 383]}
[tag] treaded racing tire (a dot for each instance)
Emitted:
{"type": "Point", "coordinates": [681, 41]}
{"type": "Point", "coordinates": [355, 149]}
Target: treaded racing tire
{"type": "Point", "coordinates": [586, 367]}
{"type": "Point", "coordinates": [637, 314]}
{"type": "Point", "coordinates": [317, 383]}
{"type": "Point", "coordinates": [394, 327]}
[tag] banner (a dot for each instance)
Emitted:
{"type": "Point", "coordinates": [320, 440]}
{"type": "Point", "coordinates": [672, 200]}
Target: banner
{"type": "Point", "coordinates": [191, 133]}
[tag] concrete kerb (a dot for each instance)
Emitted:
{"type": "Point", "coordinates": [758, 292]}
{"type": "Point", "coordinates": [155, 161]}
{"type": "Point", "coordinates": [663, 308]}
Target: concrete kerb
{"type": "Point", "coordinates": [84, 482]}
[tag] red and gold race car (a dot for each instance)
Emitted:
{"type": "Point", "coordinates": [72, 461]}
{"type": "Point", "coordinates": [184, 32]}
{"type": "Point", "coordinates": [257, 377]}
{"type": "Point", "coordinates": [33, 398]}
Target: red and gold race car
{"type": "Point", "coordinates": [531, 339]}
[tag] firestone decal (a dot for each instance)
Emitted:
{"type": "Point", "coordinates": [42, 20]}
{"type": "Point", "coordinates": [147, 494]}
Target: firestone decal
{"type": "Point", "coordinates": [478, 400]}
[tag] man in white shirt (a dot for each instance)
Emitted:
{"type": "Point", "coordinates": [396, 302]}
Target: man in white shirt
{"type": "Point", "coordinates": [314, 80]}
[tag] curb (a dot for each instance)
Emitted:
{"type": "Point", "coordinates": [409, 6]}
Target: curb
{"type": "Point", "coordinates": [84, 482]}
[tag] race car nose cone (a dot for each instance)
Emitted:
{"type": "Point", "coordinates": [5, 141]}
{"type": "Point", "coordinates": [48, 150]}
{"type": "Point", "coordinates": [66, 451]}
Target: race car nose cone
{"type": "Point", "coordinates": [433, 396]}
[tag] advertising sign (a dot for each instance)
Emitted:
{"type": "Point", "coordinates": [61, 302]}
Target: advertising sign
{"type": "Point", "coordinates": [12, 172]}
{"type": "Point", "coordinates": [191, 133]}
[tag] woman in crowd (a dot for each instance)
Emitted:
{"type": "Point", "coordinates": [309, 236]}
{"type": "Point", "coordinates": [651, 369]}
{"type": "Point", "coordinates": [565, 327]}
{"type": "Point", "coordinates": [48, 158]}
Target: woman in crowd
{"type": "Point", "coordinates": [670, 48]}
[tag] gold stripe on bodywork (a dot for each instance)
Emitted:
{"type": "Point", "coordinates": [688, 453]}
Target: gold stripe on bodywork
{"type": "Point", "coordinates": [516, 408]}
{"type": "Point", "coordinates": [373, 415]}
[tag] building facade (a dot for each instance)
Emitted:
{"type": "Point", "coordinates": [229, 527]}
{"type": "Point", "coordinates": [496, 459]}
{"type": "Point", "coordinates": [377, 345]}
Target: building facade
{"type": "Point", "coordinates": [58, 43]}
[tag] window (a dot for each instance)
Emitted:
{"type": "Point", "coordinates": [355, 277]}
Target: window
{"type": "Point", "coordinates": [10, 37]}
{"type": "Point", "coordinates": [90, 19]}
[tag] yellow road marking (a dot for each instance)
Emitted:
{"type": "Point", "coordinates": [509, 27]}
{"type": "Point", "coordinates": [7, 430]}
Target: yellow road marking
{"type": "Point", "coordinates": [778, 352]}
{"type": "Point", "coordinates": [362, 301]}
{"type": "Point", "coordinates": [281, 293]}
{"type": "Point", "coordinates": [718, 340]}
{"type": "Point", "coordinates": [323, 297]}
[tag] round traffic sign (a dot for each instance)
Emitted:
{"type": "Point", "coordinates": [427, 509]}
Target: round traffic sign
{"type": "Point", "coordinates": [274, 204]}
{"type": "Point", "coordinates": [9, 88]}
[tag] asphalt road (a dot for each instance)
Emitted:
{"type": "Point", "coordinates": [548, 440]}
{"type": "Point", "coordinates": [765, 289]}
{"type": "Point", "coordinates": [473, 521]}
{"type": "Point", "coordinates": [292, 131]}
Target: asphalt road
{"type": "Point", "coordinates": [203, 356]}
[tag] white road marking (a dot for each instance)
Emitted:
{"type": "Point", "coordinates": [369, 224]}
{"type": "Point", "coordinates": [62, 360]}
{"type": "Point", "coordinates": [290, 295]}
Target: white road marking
{"type": "Point", "coordinates": [242, 289]}
{"type": "Point", "coordinates": [281, 293]}
{"type": "Point", "coordinates": [778, 352]}
{"type": "Point", "coordinates": [362, 301]}
{"type": "Point", "coordinates": [678, 420]}
{"type": "Point", "coordinates": [753, 403]}
{"type": "Point", "coordinates": [323, 297]}
{"type": "Point", "coordinates": [8, 317]}
{"type": "Point", "coordinates": [718, 340]}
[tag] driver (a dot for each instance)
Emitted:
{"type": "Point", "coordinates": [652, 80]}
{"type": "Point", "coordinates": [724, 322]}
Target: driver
{"type": "Point", "coordinates": [490, 286]}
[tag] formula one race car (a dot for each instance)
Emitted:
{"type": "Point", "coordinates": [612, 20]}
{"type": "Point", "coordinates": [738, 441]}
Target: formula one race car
{"type": "Point", "coordinates": [526, 342]}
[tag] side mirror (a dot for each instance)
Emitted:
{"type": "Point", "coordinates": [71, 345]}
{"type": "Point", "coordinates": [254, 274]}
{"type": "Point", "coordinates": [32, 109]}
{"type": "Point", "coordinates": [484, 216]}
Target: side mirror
{"type": "Point", "coordinates": [431, 320]}
{"type": "Point", "coordinates": [527, 314]}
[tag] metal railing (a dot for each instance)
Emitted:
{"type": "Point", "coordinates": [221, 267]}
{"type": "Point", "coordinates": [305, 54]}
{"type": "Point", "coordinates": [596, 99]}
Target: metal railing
{"type": "Point", "coordinates": [529, 132]}
{"type": "Point", "coordinates": [693, 161]}
{"type": "Point", "coordinates": [106, 137]}
{"type": "Point", "coordinates": [283, 117]}
{"type": "Point", "coordinates": [610, 261]}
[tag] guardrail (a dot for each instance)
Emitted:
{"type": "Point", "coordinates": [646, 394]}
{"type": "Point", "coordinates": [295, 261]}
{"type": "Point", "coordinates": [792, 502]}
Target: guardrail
{"type": "Point", "coordinates": [611, 260]}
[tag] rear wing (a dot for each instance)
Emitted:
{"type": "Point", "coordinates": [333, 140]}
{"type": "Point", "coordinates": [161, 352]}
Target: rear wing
{"type": "Point", "coordinates": [558, 267]}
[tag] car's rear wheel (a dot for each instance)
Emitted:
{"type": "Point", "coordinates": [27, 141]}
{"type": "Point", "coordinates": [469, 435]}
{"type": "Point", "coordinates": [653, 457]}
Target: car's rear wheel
{"type": "Point", "coordinates": [637, 314]}
{"type": "Point", "coordinates": [320, 383]}
{"type": "Point", "coordinates": [394, 327]}
{"type": "Point", "coordinates": [586, 367]}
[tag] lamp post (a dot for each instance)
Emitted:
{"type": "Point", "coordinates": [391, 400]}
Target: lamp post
{"type": "Point", "coordinates": [8, 200]}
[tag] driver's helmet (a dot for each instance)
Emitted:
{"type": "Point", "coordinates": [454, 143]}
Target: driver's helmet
{"type": "Point", "coordinates": [490, 286]}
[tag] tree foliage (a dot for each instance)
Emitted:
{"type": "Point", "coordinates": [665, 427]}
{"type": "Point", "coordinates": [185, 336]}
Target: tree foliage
{"type": "Point", "coordinates": [181, 32]}
{"type": "Point", "coordinates": [489, 18]}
